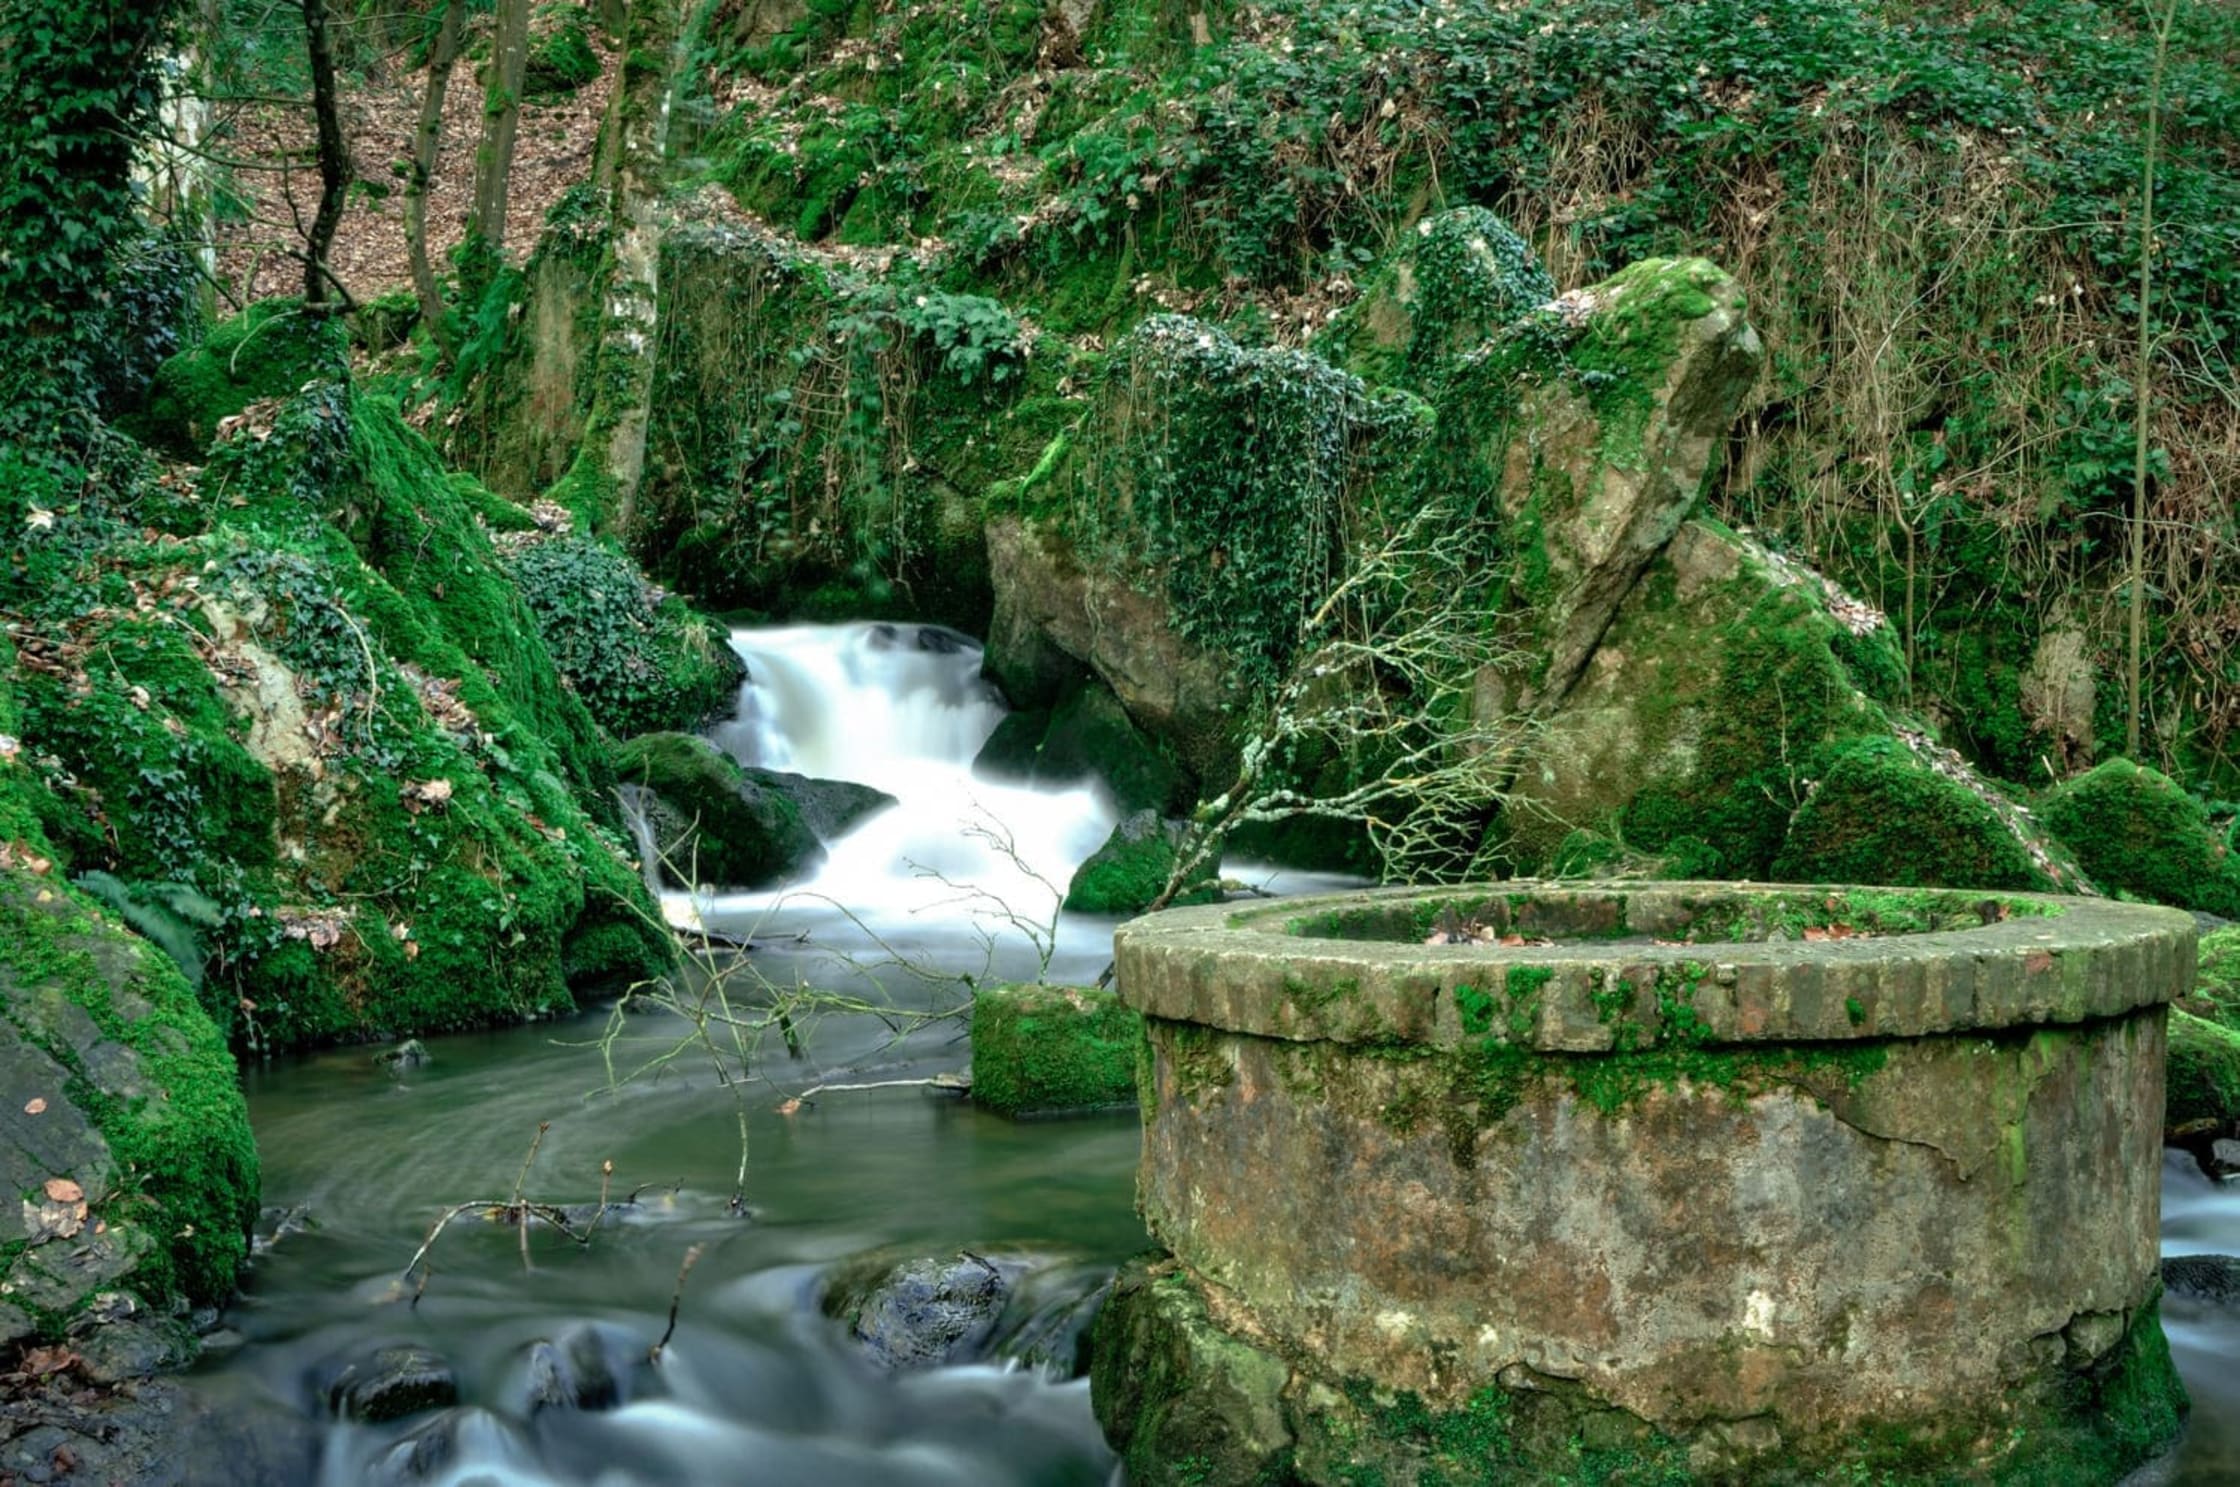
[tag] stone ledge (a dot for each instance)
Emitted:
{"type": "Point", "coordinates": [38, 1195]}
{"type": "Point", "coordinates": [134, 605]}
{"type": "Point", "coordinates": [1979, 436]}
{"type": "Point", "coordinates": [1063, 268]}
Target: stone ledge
{"type": "Point", "coordinates": [1617, 978]}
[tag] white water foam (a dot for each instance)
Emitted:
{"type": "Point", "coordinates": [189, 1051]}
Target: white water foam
{"type": "Point", "coordinates": [958, 861]}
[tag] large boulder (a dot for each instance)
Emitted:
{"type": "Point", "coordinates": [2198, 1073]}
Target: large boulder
{"type": "Point", "coordinates": [1738, 719]}
{"type": "Point", "coordinates": [1056, 616]}
{"type": "Point", "coordinates": [1464, 275]}
{"type": "Point", "coordinates": [2202, 1077]}
{"type": "Point", "coordinates": [2136, 829]}
{"type": "Point", "coordinates": [122, 1130]}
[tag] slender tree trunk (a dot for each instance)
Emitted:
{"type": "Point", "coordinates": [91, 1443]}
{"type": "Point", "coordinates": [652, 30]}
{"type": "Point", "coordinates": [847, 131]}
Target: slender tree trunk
{"type": "Point", "coordinates": [501, 117]}
{"type": "Point", "coordinates": [2142, 405]}
{"type": "Point", "coordinates": [334, 158]}
{"type": "Point", "coordinates": [426, 140]}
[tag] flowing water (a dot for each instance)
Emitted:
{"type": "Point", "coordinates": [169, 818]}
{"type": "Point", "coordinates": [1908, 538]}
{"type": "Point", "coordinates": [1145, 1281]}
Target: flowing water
{"type": "Point", "coordinates": [960, 876]}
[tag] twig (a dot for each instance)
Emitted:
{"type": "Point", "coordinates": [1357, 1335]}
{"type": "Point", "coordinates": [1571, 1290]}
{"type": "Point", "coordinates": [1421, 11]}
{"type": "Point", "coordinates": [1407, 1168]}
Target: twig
{"type": "Point", "coordinates": [676, 1299]}
{"type": "Point", "coordinates": [522, 1178]}
{"type": "Point", "coordinates": [935, 1081]}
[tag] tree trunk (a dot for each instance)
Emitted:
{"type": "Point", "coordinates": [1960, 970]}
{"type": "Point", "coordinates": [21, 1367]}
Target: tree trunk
{"type": "Point", "coordinates": [501, 116]}
{"type": "Point", "coordinates": [426, 140]}
{"type": "Point", "coordinates": [334, 158]}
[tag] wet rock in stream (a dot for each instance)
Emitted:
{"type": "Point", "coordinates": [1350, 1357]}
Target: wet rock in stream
{"type": "Point", "coordinates": [386, 1382]}
{"type": "Point", "coordinates": [582, 1367]}
{"type": "Point", "coordinates": [2211, 1278]}
{"type": "Point", "coordinates": [927, 1311]}
{"type": "Point", "coordinates": [431, 1451]}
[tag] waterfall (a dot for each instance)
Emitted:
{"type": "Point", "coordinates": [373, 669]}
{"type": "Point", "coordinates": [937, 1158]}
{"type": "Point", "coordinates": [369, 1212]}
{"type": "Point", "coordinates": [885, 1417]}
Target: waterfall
{"type": "Point", "coordinates": [960, 868]}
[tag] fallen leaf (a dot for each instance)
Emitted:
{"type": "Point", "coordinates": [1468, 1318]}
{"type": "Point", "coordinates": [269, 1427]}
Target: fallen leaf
{"type": "Point", "coordinates": [35, 1106]}
{"type": "Point", "coordinates": [63, 1190]}
{"type": "Point", "coordinates": [790, 1107]}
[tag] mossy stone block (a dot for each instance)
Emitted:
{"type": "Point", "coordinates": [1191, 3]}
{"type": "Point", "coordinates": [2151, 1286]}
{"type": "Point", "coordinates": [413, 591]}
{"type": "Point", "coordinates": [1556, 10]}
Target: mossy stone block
{"type": "Point", "coordinates": [1051, 1050]}
{"type": "Point", "coordinates": [2137, 830]}
{"type": "Point", "coordinates": [1881, 815]}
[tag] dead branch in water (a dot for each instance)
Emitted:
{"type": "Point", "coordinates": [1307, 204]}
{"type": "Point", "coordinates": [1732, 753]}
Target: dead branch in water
{"type": "Point", "coordinates": [676, 1299]}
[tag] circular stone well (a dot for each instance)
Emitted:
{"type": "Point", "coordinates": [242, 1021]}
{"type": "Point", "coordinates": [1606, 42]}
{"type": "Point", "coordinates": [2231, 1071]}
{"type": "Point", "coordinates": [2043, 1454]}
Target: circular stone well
{"type": "Point", "coordinates": [1613, 1182]}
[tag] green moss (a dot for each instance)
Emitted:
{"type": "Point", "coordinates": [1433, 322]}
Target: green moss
{"type": "Point", "coordinates": [267, 351]}
{"type": "Point", "coordinates": [183, 1144]}
{"type": "Point", "coordinates": [560, 56]}
{"type": "Point", "coordinates": [2138, 831]}
{"type": "Point", "coordinates": [1129, 872]}
{"type": "Point", "coordinates": [734, 828]}
{"type": "Point", "coordinates": [1043, 1050]}
{"type": "Point", "coordinates": [1880, 815]}
{"type": "Point", "coordinates": [1089, 735]}
{"type": "Point", "coordinates": [640, 659]}
{"type": "Point", "coordinates": [2203, 1073]}
{"type": "Point", "coordinates": [2216, 992]}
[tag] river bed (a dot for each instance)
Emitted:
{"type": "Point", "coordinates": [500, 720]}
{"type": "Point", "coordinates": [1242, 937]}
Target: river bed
{"type": "Point", "coordinates": [757, 1385]}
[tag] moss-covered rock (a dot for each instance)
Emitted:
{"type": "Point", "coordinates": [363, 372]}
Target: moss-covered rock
{"type": "Point", "coordinates": [1051, 1050]}
{"type": "Point", "coordinates": [322, 708]}
{"type": "Point", "coordinates": [560, 56]}
{"type": "Point", "coordinates": [714, 823]}
{"type": "Point", "coordinates": [1089, 735]}
{"type": "Point", "coordinates": [640, 658]}
{"type": "Point", "coordinates": [1728, 686]}
{"type": "Point", "coordinates": [124, 1132]}
{"type": "Point", "coordinates": [1882, 814]}
{"type": "Point", "coordinates": [1463, 276]}
{"type": "Point", "coordinates": [1128, 873]}
{"type": "Point", "coordinates": [2216, 994]}
{"type": "Point", "coordinates": [1183, 1402]}
{"type": "Point", "coordinates": [2203, 1073]}
{"type": "Point", "coordinates": [269, 350]}
{"type": "Point", "coordinates": [2137, 830]}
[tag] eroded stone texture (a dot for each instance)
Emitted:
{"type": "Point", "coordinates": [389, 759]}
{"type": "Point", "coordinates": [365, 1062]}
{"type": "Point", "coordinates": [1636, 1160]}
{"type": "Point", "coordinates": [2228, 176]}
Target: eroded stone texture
{"type": "Point", "coordinates": [1740, 1232]}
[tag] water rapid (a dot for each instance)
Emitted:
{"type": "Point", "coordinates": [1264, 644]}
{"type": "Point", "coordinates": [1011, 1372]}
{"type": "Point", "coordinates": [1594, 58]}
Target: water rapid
{"type": "Point", "coordinates": [961, 872]}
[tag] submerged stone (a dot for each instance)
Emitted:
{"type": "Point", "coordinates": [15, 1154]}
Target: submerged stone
{"type": "Point", "coordinates": [920, 1313]}
{"type": "Point", "coordinates": [1052, 1050]}
{"type": "Point", "coordinates": [386, 1382]}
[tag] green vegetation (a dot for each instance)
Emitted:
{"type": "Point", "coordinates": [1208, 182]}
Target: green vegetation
{"type": "Point", "coordinates": [1127, 874]}
{"type": "Point", "coordinates": [2138, 831]}
{"type": "Point", "coordinates": [2203, 1077]}
{"type": "Point", "coordinates": [1048, 1050]}
{"type": "Point", "coordinates": [269, 350]}
{"type": "Point", "coordinates": [639, 658]}
{"type": "Point", "coordinates": [1882, 815]}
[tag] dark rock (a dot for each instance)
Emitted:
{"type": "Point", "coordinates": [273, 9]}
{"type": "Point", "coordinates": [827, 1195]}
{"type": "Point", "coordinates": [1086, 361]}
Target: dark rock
{"type": "Point", "coordinates": [710, 820]}
{"type": "Point", "coordinates": [577, 1370]}
{"type": "Point", "coordinates": [135, 1345]}
{"type": "Point", "coordinates": [432, 1450]}
{"type": "Point", "coordinates": [410, 1054]}
{"type": "Point", "coordinates": [830, 808]}
{"type": "Point", "coordinates": [2212, 1278]}
{"type": "Point", "coordinates": [1089, 735]}
{"type": "Point", "coordinates": [924, 1312]}
{"type": "Point", "coordinates": [387, 1382]}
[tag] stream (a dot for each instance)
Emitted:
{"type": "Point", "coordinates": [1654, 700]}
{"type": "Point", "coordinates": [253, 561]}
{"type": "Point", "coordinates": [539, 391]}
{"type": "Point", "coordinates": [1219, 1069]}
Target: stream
{"type": "Point", "coordinates": [756, 1386]}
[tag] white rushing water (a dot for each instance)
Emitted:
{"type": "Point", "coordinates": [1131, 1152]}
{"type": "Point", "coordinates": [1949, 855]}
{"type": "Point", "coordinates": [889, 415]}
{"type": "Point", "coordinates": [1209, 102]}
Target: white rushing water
{"type": "Point", "coordinates": [959, 867]}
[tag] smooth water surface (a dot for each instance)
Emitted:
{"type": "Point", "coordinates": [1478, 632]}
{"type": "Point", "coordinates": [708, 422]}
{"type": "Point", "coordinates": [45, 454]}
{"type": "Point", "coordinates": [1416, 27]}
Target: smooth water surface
{"type": "Point", "coordinates": [756, 1385]}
